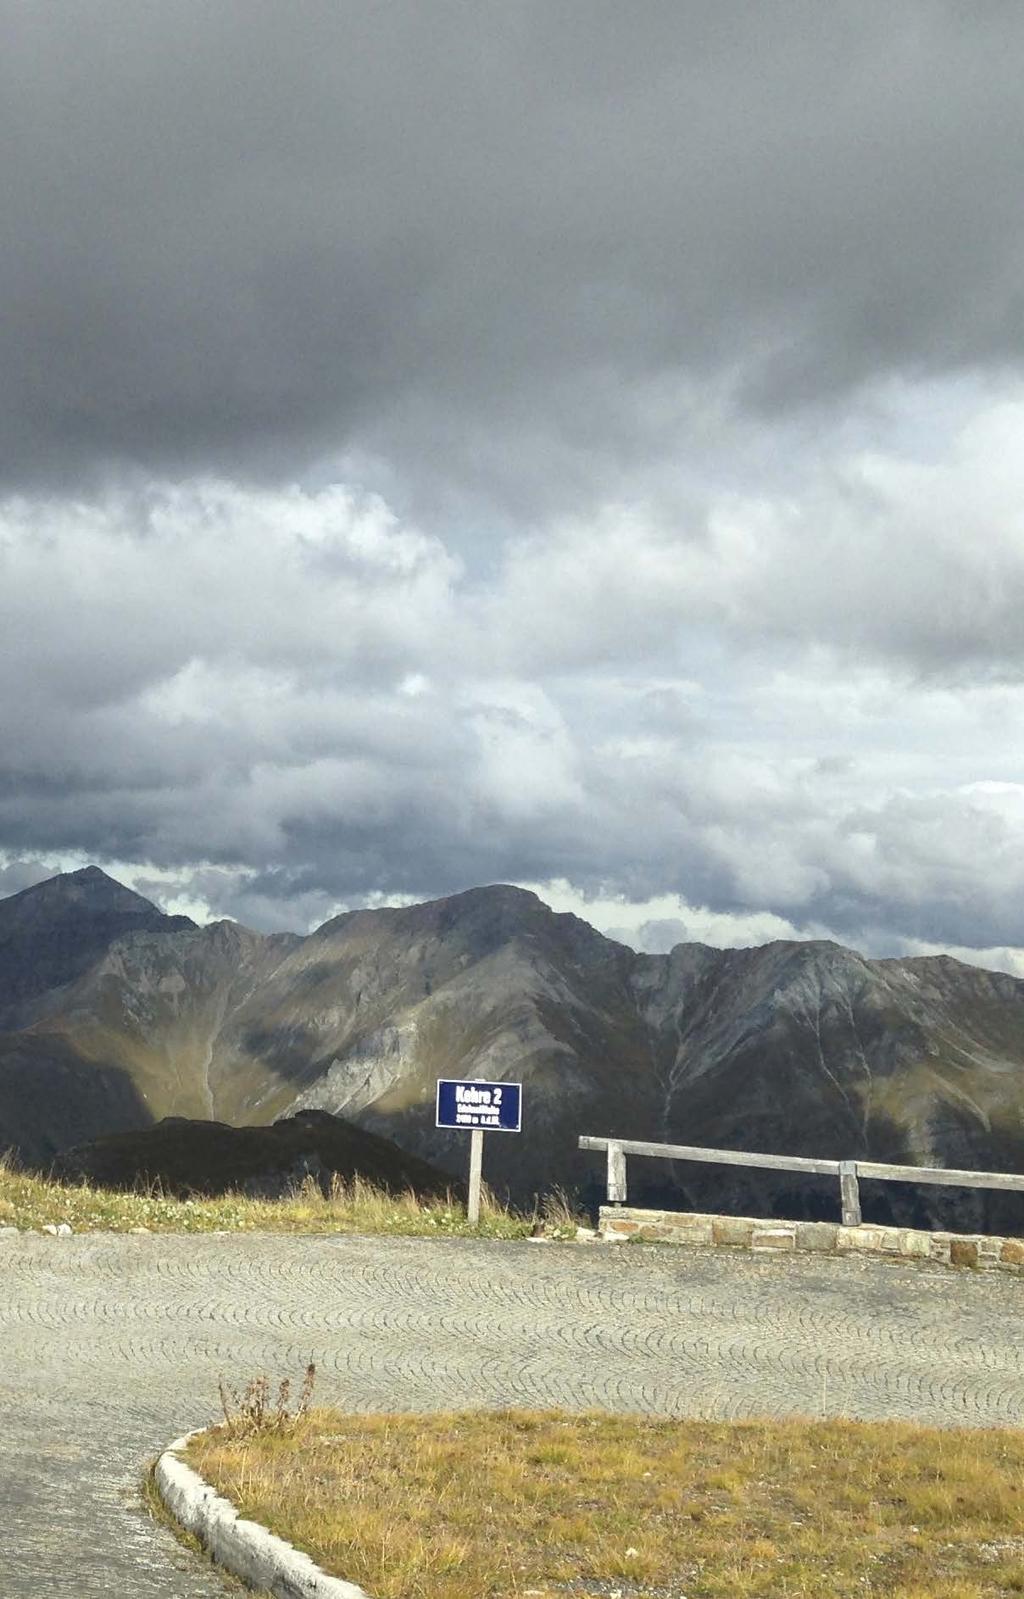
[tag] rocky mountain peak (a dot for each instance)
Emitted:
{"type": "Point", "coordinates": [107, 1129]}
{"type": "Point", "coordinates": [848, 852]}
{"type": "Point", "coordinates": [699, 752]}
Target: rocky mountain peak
{"type": "Point", "coordinates": [53, 931]}
{"type": "Point", "coordinates": [469, 927]}
{"type": "Point", "coordinates": [88, 890]}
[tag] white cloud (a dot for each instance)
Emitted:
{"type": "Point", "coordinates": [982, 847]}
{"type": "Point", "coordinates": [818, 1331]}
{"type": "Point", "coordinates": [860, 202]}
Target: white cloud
{"type": "Point", "coordinates": [918, 562]}
{"type": "Point", "coordinates": [656, 924]}
{"type": "Point", "coordinates": [311, 702]}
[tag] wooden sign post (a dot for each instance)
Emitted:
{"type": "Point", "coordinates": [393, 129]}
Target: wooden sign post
{"type": "Point", "coordinates": [477, 1107]}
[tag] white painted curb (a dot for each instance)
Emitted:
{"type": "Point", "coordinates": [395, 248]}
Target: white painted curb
{"type": "Point", "coordinates": [244, 1548]}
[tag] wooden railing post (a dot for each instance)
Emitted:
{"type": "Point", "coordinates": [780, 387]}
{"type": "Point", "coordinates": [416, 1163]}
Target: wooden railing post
{"type": "Point", "coordinates": [849, 1192]}
{"type": "Point", "coordinates": [616, 1174]}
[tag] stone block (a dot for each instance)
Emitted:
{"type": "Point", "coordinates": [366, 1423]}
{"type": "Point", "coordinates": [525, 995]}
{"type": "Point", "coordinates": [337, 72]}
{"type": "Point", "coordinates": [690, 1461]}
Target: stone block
{"type": "Point", "coordinates": [963, 1252]}
{"type": "Point", "coordinates": [816, 1235]}
{"type": "Point", "coordinates": [734, 1230]}
{"type": "Point", "coordinates": [685, 1229]}
{"type": "Point", "coordinates": [672, 1227]}
{"type": "Point", "coordinates": [1012, 1252]}
{"type": "Point", "coordinates": [773, 1238]}
{"type": "Point", "coordinates": [869, 1239]}
{"type": "Point", "coordinates": [915, 1244]}
{"type": "Point", "coordinates": [939, 1247]}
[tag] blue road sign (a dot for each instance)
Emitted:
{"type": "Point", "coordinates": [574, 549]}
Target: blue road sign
{"type": "Point", "coordinates": [493, 1107]}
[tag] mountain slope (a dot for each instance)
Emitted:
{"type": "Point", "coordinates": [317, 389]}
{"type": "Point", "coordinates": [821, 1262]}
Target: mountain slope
{"type": "Point", "coordinates": [365, 1015]}
{"type": "Point", "coordinates": [156, 1003]}
{"type": "Point", "coordinates": [51, 1096]}
{"type": "Point", "coordinates": [805, 1048]}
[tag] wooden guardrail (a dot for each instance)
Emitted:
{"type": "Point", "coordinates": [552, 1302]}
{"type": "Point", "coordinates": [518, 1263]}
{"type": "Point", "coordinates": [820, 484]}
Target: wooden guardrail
{"type": "Point", "coordinates": [849, 1172]}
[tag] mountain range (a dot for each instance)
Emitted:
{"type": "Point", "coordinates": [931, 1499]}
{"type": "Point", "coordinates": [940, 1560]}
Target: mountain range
{"type": "Point", "coordinates": [114, 1015]}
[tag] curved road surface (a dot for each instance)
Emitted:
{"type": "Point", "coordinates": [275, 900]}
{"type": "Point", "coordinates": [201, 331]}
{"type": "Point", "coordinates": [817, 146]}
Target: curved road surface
{"type": "Point", "coordinates": [110, 1346]}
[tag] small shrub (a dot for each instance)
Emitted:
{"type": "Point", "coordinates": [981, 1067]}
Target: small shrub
{"type": "Point", "coordinates": [253, 1413]}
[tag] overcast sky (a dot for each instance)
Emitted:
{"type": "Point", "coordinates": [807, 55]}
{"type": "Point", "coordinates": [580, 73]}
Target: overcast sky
{"type": "Point", "coordinates": [573, 444]}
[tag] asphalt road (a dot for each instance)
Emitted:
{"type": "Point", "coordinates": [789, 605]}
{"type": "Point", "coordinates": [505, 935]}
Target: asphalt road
{"type": "Point", "coordinates": [110, 1346]}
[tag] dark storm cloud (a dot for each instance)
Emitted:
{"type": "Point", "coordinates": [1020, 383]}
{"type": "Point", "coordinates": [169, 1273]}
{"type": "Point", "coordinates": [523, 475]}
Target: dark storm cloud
{"type": "Point", "coordinates": [244, 233]}
{"type": "Point", "coordinates": [681, 344]}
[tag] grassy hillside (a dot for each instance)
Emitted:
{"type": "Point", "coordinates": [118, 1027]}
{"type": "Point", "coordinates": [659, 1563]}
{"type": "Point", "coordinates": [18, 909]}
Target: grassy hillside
{"type": "Point", "coordinates": [491, 1506]}
{"type": "Point", "coordinates": [30, 1203]}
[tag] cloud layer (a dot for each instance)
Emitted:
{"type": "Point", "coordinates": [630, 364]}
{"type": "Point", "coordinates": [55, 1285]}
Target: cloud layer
{"type": "Point", "coordinates": [559, 444]}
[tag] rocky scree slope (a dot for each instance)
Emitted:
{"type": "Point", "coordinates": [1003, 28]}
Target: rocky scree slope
{"type": "Point", "coordinates": [805, 1048]}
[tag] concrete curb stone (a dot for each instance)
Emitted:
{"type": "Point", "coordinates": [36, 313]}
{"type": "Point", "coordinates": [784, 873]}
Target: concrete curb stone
{"type": "Point", "coordinates": [244, 1548]}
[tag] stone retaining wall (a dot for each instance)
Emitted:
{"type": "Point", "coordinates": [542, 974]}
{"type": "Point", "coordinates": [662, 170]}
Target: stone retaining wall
{"type": "Point", "coordinates": [619, 1223]}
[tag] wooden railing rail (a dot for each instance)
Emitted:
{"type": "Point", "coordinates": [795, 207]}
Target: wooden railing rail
{"type": "Point", "coordinates": [849, 1172]}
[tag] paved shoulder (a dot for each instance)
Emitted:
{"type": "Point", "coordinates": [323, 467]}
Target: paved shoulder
{"type": "Point", "coordinates": [111, 1345]}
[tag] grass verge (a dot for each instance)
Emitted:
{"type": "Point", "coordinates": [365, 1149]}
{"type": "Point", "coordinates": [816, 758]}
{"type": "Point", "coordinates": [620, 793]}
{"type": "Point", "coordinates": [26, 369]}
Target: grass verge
{"type": "Point", "coordinates": [539, 1505]}
{"type": "Point", "coordinates": [30, 1202]}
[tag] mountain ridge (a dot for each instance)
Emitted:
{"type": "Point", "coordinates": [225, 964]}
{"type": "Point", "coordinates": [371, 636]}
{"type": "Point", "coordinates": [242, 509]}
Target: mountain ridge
{"type": "Point", "coordinates": [801, 1047]}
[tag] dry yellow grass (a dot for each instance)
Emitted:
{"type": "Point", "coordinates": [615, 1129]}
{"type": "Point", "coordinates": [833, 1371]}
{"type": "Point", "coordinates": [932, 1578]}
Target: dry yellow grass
{"type": "Point", "coordinates": [28, 1202]}
{"type": "Point", "coordinates": [538, 1506]}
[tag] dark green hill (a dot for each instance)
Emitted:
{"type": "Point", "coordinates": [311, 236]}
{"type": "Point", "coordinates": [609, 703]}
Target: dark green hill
{"type": "Point", "coordinates": [197, 1157]}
